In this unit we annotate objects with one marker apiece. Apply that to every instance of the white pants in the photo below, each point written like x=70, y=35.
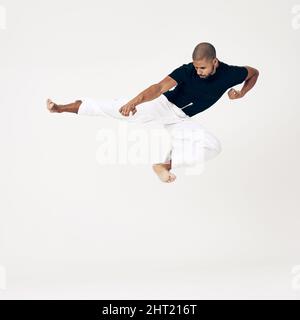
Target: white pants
x=191, y=143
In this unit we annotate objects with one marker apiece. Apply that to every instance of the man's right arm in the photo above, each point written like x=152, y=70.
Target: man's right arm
x=152, y=92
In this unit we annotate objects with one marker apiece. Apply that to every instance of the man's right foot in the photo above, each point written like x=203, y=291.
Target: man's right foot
x=162, y=170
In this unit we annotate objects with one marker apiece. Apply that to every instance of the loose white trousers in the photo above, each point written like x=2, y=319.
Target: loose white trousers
x=190, y=143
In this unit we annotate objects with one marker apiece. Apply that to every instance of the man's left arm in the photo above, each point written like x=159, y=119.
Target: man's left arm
x=248, y=84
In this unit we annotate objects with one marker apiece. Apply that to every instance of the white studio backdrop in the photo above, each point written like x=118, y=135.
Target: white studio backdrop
x=72, y=228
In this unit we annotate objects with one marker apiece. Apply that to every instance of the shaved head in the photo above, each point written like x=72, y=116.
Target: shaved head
x=204, y=51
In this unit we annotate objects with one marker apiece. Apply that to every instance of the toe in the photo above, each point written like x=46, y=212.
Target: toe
x=50, y=105
x=172, y=177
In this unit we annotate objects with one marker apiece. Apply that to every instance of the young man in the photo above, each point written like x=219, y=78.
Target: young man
x=198, y=85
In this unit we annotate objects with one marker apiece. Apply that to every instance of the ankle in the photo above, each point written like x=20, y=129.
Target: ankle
x=165, y=166
x=59, y=108
x=71, y=107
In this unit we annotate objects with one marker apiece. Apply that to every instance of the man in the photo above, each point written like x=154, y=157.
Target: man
x=198, y=85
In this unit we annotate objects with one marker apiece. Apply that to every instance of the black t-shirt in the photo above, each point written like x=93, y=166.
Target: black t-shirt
x=194, y=94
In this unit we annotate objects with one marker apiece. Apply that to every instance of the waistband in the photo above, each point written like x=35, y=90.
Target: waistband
x=178, y=112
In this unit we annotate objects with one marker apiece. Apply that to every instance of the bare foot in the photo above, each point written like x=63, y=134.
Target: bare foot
x=163, y=172
x=51, y=106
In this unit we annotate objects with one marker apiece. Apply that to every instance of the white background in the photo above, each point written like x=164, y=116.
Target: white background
x=71, y=228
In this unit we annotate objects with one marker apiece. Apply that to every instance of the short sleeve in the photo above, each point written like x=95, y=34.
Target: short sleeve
x=179, y=74
x=237, y=74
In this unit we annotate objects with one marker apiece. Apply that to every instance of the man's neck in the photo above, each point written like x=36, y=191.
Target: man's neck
x=216, y=67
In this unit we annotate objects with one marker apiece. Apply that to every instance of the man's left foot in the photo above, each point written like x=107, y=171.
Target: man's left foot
x=51, y=106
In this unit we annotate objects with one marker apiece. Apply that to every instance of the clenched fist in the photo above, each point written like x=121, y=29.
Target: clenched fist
x=127, y=108
x=234, y=94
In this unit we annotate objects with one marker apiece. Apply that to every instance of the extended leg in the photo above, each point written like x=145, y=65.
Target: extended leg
x=70, y=107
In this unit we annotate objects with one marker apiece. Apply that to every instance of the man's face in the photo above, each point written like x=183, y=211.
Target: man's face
x=205, y=68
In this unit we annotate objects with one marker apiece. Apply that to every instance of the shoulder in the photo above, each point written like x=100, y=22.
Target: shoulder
x=182, y=72
x=185, y=67
x=233, y=67
x=237, y=73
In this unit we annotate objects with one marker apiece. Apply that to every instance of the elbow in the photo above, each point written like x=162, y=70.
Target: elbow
x=158, y=88
x=252, y=73
x=255, y=73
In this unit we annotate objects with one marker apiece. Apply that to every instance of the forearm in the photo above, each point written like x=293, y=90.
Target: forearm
x=147, y=95
x=249, y=84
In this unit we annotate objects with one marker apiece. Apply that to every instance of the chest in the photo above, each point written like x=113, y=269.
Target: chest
x=202, y=88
